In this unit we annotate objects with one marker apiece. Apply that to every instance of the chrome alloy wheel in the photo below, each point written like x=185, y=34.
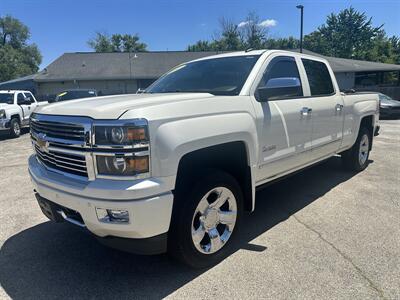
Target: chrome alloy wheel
x=364, y=149
x=214, y=220
x=16, y=128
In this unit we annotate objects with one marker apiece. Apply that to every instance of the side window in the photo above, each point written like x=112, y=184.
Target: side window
x=20, y=98
x=318, y=77
x=281, y=79
x=30, y=97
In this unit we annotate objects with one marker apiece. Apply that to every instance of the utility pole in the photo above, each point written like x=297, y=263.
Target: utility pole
x=301, y=7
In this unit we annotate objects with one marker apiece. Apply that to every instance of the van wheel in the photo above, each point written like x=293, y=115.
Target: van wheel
x=15, y=128
x=206, y=220
x=356, y=158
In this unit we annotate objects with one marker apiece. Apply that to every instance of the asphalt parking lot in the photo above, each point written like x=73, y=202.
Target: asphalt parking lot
x=323, y=233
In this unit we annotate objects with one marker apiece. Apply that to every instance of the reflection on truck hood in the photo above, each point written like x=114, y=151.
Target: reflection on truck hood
x=388, y=102
x=4, y=105
x=112, y=107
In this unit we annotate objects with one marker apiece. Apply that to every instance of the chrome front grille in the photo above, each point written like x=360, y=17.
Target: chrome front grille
x=57, y=130
x=65, y=144
x=70, y=163
x=62, y=144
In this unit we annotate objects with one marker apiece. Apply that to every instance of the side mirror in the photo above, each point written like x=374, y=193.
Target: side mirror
x=279, y=88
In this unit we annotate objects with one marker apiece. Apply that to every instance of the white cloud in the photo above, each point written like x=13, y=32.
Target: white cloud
x=268, y=23
x=244, y=23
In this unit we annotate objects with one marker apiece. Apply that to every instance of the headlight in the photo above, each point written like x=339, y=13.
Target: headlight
x=117, y=165
x=2, y=114
x=120, y=135
x=122, y=148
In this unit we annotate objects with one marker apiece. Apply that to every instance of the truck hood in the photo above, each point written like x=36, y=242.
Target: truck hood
x=112, y=107
x=4, y=105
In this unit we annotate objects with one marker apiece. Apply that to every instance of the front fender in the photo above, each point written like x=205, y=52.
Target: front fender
x=172, y=140
x=13, y=110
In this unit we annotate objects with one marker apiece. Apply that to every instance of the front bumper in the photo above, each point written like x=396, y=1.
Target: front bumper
x=4, y=124
x=149, y=215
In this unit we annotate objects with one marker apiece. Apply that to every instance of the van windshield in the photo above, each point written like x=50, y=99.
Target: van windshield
x=218, y=76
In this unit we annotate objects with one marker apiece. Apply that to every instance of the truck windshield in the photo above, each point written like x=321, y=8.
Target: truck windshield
x=218, y=76
x=6, y=98
x=71, y=95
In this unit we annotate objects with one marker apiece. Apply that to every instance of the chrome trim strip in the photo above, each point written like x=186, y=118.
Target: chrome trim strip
x=116, y=147
x=139, y=153
x=74, y=176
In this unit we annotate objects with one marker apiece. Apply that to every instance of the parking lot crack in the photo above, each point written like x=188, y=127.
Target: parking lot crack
x=373, y=285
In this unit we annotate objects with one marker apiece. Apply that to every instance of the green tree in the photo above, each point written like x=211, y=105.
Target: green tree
x=281, y=43
x=254, y=35
x=102, y=42
x=395, y=43
x=348, y=34
x=201, y=46
x=230, y=37
x=17, y=57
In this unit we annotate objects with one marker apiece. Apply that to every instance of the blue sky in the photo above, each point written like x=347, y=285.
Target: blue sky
x=59, y=26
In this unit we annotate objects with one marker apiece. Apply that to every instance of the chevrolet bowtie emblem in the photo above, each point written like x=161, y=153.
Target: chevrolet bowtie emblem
x=42, y=143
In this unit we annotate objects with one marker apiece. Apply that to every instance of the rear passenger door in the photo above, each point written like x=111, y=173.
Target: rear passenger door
x=326, y=106
x=285, y=130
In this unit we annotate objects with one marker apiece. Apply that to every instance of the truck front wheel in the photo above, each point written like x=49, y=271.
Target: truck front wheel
x=356, y=158
x=206, y=220
x=15, y=128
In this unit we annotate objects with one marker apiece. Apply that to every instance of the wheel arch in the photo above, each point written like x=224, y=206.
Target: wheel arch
x=231, y=157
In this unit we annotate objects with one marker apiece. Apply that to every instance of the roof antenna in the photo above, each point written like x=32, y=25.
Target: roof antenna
x=248, y=50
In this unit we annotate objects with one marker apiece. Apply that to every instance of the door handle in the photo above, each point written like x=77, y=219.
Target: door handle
x=305, y=111
x=339, y=107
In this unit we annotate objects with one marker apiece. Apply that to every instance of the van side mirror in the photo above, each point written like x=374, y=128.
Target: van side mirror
x=279, y=88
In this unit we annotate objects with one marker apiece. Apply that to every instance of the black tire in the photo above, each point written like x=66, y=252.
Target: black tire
x=15, y=128
x=352, y=158
x=180, y=243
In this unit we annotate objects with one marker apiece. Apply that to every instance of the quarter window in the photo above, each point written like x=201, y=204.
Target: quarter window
x=318, y=77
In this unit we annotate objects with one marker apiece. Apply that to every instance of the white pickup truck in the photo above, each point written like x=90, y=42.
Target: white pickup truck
x=15, y=109
x=174, y=168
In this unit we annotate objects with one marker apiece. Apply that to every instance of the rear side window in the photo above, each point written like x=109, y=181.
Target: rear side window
x=318, y=77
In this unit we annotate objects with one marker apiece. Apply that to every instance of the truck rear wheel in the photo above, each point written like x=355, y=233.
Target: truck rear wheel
x=206, y=220
x=356, y=158
x=15, y=128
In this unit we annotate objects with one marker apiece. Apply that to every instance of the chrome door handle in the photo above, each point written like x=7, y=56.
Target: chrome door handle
x=339, y=107
x=305, y=111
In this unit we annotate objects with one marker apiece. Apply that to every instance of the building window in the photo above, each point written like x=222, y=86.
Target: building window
x=366, y=79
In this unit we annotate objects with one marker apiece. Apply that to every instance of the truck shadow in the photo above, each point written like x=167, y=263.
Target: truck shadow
x=59, y=261
x=6, y=135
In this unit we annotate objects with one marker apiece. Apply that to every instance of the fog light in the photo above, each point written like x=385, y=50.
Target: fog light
x=112, y=215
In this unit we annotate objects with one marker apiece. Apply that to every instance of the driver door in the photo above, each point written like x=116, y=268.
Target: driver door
x=283, y=121
x=25, y=105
